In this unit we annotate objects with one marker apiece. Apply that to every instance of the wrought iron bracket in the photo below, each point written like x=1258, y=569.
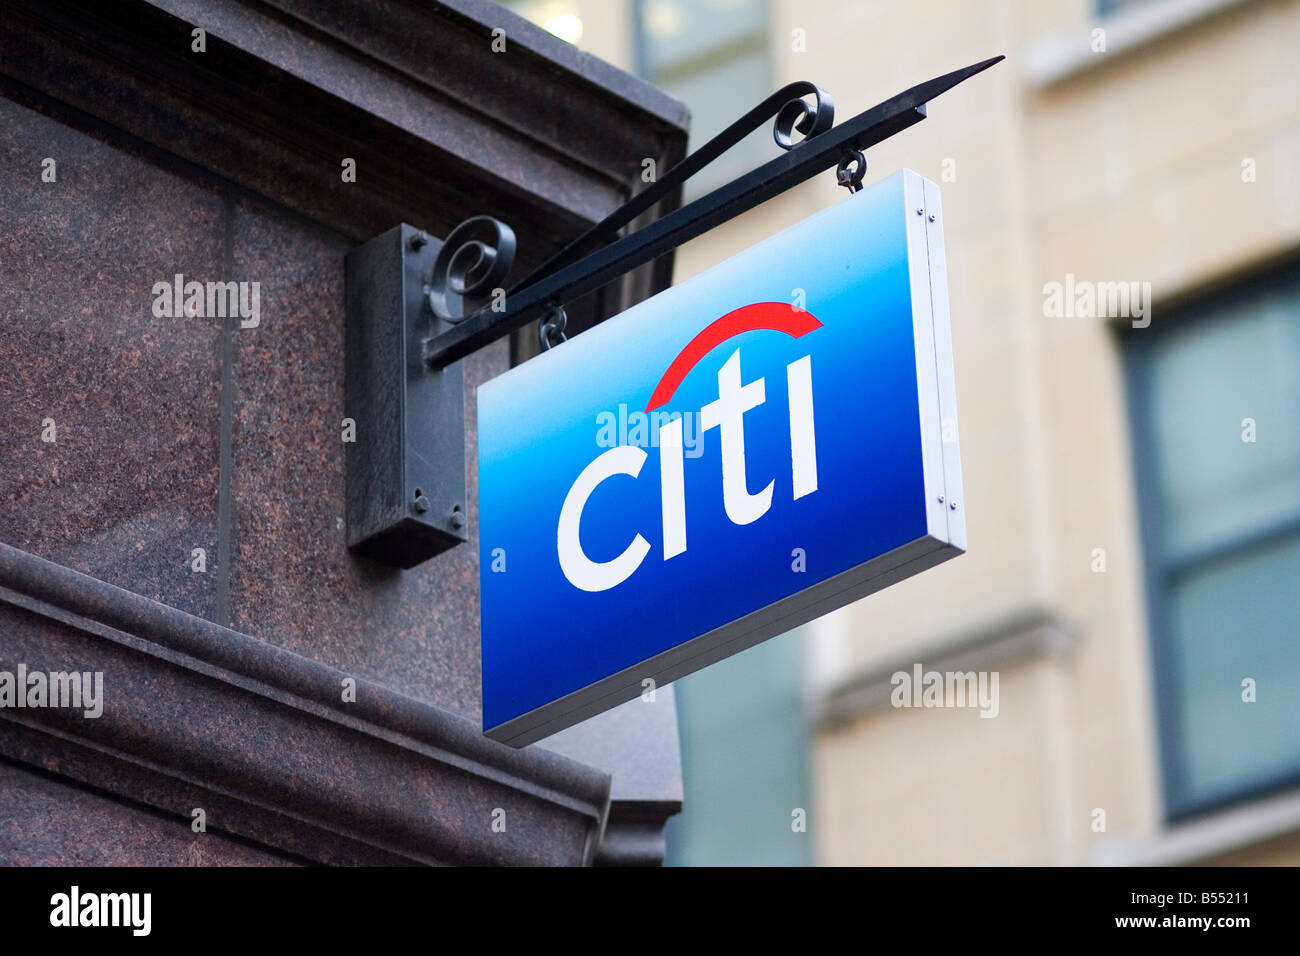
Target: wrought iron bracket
x=416, y=306
x=482, y=253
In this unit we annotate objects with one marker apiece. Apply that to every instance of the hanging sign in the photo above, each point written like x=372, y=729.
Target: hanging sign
x=750, y=449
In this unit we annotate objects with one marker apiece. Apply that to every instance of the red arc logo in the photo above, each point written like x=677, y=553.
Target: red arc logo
x=777, y=316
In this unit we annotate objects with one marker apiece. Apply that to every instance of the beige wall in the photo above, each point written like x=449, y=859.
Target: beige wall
x=1127, y=170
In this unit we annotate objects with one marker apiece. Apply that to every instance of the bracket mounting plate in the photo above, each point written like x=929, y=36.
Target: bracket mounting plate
x=406, y=494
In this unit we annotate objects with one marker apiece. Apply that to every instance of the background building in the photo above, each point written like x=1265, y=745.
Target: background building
x=1132, y=480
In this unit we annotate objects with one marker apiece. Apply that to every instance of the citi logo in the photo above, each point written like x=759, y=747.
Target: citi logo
x=727, y=414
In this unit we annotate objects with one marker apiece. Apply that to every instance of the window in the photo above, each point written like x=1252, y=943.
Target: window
x=1216, y=403
x=713, y=56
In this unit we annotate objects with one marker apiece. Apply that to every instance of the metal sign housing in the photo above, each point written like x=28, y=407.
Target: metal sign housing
x=746, y=451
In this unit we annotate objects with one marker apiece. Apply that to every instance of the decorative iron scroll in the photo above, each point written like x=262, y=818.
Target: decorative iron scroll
x=476, y=257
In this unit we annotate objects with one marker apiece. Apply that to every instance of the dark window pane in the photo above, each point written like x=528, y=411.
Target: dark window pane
x=1231, y=621
x=1205, y=381
x=1218, y=420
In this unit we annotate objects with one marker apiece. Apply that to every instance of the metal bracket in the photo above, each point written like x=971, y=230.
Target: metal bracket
x=603, y=253
x=415, y=306
x=406, y=495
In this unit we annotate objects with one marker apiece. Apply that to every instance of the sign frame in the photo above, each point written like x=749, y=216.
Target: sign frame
x=944, y=539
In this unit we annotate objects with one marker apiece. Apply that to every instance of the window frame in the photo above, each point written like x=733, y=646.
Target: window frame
x=1159, y=572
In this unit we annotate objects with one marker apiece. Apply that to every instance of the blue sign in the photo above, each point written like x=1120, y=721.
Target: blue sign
x=755, y=447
